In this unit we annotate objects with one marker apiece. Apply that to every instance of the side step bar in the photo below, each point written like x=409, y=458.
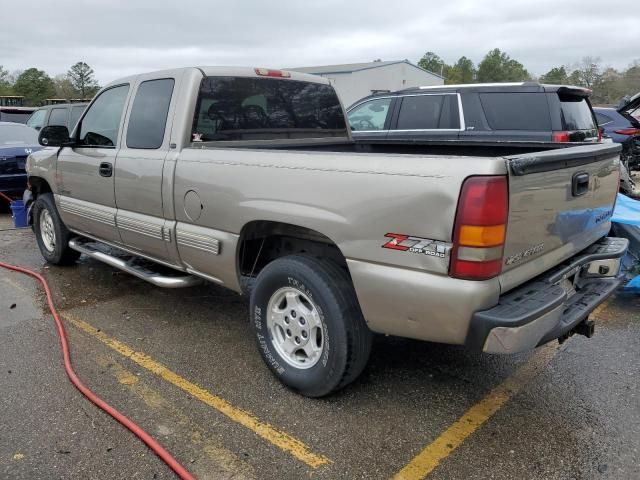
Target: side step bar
x=137, y=266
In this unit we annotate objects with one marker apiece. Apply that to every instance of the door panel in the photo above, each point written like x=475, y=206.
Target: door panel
x=85, y=172
x=140, y=166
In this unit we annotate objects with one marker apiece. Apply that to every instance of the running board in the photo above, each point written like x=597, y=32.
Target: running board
x=137, y=266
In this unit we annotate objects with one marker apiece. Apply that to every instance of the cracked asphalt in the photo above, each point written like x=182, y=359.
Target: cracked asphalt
x=576, y=417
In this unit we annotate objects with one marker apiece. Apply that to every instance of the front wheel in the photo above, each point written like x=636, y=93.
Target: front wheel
x=308, y=324
x=51, y=233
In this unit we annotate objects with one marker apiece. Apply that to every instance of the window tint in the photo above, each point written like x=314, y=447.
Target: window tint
x=516, y=111
x=370, y=115
x=58, y=116
x=239, y=108
x=36, y=120
x=100, y=125
x=576, y=114
x=76, y=113
x=148, y=117
x=602, y=119
x=428, y=112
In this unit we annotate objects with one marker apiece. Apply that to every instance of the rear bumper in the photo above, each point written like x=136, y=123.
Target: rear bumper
x=551, y=306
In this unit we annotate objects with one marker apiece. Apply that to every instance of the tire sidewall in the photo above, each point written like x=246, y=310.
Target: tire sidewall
x=326, y=374
x=45, y=202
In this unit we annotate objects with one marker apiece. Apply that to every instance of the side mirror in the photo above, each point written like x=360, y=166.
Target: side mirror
x=54, y=136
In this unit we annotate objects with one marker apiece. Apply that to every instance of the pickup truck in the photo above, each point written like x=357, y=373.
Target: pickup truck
x=249, y=178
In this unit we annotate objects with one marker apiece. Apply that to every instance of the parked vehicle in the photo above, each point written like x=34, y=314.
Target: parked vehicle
x=15, y=114
x=58, y=114
x=620, y=125
x=249, y=178
x=525, y=112
x=17, y=141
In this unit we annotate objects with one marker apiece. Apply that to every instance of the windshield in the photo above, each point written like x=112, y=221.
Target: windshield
x=17, y=135
x=245, y=108
x=576, y=114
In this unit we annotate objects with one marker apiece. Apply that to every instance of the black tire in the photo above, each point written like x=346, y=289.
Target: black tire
x=346, y=338
x=60, y=254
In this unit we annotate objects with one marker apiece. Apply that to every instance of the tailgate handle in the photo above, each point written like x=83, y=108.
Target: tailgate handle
x=580, y=184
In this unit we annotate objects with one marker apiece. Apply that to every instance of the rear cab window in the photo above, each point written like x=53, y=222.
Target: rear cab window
x=247, y=108
x=148, y=118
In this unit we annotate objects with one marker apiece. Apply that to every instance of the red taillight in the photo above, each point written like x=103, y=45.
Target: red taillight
x=628, y=131
x=267, y=72
x=480, y=228
x=560, y=137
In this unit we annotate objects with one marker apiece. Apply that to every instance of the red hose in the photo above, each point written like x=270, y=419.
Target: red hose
x=6, y=197
x=135, y=429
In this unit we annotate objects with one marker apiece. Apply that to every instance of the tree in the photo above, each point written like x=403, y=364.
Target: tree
x=35, y=85
x=81, y=76
x=463, y=71
x=555, y=76
x=588, y=72
x=5, y=85
x=64, y=87
x=497, y=66
x=432, y=62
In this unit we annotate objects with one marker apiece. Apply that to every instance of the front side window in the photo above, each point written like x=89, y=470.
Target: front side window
x=36, y=120
x=58, y=117
x=429, y=112
x=371, y=115
x=100, y=125
x=246, y=108
x=148, y=117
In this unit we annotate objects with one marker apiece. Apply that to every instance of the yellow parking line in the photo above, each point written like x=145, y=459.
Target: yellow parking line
x=429, y=458
x=270, y=433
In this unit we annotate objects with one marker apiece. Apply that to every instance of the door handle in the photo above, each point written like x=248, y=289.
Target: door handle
x=580, y=184
x=106, y=169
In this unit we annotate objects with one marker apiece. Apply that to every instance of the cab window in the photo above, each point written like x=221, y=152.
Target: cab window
x=59, y=116
x=99, y=127
x=371, y=115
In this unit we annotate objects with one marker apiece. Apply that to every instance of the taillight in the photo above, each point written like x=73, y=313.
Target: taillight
x=560, y=137
x=267, y=72
x=480, y=228
x=628, y=131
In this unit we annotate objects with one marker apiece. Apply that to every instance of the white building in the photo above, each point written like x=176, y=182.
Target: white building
x=356, y=80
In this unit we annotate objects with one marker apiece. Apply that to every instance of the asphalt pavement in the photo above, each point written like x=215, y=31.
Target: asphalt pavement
x=183, y=365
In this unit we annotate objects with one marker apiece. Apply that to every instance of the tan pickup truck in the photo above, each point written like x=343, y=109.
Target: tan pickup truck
x=249, y=178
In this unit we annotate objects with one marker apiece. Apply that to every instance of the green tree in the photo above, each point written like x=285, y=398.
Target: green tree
x=5, y=84
x=35, y=85
x=81, y=76
x=497, y=66
x=463, y=71
x=587, y=73
x=555, y=76
x=64, y=87
x=432, y=62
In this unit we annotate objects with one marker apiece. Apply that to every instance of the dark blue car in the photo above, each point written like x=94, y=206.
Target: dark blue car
x=622, y=125
x=17, y=141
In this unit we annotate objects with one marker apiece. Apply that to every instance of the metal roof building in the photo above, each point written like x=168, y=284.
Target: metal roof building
x=353, y=81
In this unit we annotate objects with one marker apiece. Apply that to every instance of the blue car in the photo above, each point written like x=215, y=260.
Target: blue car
x=622, y=125
x=17, y=141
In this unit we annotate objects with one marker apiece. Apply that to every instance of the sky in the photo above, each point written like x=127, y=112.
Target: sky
x=118, y=37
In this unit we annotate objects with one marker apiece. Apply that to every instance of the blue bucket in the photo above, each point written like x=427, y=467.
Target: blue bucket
x=19, y=214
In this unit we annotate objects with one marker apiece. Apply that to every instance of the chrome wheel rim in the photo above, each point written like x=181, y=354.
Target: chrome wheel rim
x=47, y=232
x=295, y=327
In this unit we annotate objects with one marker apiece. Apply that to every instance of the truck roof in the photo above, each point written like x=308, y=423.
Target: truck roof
x=228, y=71
x=499, y=87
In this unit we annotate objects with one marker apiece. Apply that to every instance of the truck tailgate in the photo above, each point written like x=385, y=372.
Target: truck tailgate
x=560, y=201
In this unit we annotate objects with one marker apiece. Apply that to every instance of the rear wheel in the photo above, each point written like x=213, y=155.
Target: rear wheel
x=308, y=324
x=51, y=234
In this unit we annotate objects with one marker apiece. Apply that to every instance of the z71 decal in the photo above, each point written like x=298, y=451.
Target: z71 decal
x=426, y=246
